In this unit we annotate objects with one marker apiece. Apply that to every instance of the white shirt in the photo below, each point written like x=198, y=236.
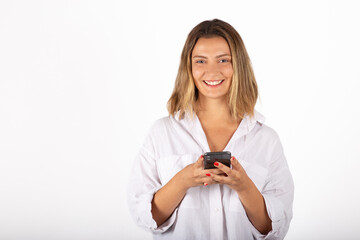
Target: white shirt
x=213, y=211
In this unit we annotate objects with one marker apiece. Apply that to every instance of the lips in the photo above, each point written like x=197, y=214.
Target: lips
x=213, y=83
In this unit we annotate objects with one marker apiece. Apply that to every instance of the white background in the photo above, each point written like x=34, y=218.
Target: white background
x=81, y=82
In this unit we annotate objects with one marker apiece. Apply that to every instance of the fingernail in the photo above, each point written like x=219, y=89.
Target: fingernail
x=232, y=158
x=208, y=174
x=202, y=156
x=216, y=164
x=205, y=184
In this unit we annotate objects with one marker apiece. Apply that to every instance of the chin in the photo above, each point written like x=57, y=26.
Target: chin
x=214, y=96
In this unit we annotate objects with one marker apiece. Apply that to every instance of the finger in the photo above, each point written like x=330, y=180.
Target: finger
x=209, y=183
x=221, y=179
x=199, y=162
x=207, y=180
x=235, y=164
x=223, y=168
x=214, y=171
x=209, y=173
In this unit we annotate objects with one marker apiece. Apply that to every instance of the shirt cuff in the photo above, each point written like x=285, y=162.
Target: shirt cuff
x=147, y=220
x=276, y=214
x=167, y=224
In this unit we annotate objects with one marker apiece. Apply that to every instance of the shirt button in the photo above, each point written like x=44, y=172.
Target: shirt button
x=216, y=209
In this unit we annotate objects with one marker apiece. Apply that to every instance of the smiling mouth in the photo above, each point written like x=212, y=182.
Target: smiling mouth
x=213, y=82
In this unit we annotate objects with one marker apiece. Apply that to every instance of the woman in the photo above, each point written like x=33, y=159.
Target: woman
x=212, y=109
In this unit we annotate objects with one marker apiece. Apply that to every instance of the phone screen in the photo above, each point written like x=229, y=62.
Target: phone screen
x=211, y=157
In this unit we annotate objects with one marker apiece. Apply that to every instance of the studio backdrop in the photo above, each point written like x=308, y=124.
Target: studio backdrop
x=81, y=83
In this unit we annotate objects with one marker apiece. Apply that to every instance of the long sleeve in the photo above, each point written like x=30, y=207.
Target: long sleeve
x=143, y=184
x=278, y=193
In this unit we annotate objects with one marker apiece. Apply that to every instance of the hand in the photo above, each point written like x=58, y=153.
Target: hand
x=250, y=197
x=195, y=175
x=236, y=178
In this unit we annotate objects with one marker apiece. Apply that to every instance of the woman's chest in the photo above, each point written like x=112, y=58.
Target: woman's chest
x=218, y=137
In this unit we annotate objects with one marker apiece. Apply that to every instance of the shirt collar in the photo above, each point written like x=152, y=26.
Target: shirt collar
x=193, y=125
x=248, y=122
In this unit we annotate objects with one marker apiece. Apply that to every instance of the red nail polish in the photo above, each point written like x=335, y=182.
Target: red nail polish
x=232, y=158
x=216, y=164
x=208, y=174
x=202, y=156
x=205, y=184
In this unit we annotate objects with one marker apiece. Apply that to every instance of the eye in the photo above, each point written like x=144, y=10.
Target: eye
x=224, y=60
x=200, y=61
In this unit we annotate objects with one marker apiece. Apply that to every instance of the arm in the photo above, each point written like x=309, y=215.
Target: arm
x=255, y=208
x=167, y=199
x=249, y=195
x=170, y=195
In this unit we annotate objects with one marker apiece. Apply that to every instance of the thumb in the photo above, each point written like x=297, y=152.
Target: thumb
x=235, y=164
x=200, y=161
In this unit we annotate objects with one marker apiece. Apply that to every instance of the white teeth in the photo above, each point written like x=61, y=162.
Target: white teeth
x=213, y=83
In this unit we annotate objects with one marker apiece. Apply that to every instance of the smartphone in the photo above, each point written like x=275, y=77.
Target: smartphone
x=211, y=157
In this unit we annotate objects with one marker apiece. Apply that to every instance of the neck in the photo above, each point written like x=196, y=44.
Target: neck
x=213, y=109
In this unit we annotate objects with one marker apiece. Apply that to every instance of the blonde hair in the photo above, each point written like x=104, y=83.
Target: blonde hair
x=243, y=92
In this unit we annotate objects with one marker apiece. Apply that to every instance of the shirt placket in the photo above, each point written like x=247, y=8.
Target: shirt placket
x=216, y=213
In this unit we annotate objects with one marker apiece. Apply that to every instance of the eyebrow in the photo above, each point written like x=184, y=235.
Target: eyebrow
x=218, y=56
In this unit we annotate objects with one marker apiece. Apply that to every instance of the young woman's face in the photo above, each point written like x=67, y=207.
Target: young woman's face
x=211, y=67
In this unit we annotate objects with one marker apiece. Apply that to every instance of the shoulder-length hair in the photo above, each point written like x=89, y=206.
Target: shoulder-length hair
x=243, y=92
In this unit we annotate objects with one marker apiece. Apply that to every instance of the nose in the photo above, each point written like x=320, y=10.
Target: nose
x=212, y=71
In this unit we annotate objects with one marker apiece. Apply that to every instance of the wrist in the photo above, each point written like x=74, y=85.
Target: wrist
x=180, y=182
x=246, y=188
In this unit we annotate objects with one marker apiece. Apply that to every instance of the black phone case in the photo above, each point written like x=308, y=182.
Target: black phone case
x=211, y=157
